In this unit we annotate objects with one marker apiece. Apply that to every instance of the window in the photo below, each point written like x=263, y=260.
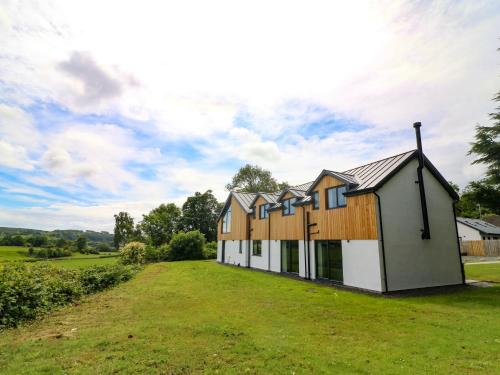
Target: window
x=240, y=249
x=253, y=212
x=288, y=207
x=226, y=221
x=315, y=200
x=257, y=248
x=263, y=211
x=335, y=197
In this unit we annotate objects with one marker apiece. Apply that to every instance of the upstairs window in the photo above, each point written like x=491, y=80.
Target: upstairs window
x=263, y=211
x=253, y=212
x=335, y=197
x=288, y=207
x=315, y=200
x=226, y=221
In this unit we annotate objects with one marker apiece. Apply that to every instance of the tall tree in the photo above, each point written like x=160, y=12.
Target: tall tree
x=81, y=243
x=486, y=192
x=161, y=223
x=200, y=212
x=124, y=229
x=254, y=179
x=487, y=146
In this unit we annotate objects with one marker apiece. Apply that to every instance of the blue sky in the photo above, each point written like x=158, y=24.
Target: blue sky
x=111, y=106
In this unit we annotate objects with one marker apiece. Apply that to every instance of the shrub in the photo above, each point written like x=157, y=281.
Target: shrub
x=49, y=252
x=133, y=253
x=210, y=251
x=103, y=247
x=187, y=246
x=28, y=290
x=96, y=278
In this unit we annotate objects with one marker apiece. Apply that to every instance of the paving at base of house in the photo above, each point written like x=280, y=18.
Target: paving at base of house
x=472, y=259
x=480, y=284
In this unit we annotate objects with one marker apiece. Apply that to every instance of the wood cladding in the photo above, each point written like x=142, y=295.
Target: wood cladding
x=239, y=227
x=260, y=227
x=356, y=221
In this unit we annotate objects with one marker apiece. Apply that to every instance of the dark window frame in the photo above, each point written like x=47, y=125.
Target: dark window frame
x=259, y=248
x=224, y=226
x=327, y=197
x=315, y=202
x=266, y=211
x=240, y=250
x=290, y=205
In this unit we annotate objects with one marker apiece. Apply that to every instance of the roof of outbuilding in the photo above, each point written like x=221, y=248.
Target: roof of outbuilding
x=480, y=225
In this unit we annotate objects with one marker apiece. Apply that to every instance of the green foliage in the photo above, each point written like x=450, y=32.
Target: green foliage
x=103, y=248
x=200, y=212
x=49, y=252
x=254, y=179
x=479, y=193
x=133, y=253
x=28, y=290
x=81, y=244
x=187, y=246
x=9, y=240
x=210, y=250
x=160, y=224
x=124, y=229
x=39, y=240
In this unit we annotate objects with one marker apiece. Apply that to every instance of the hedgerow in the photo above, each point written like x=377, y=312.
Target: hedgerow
x=29, y=290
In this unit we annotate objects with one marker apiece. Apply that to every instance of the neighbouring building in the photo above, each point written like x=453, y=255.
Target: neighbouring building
x=476, y=230
x=384, y=226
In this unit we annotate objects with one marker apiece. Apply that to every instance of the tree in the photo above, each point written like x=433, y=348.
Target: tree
x=161, y=223
x=187, y=246
x=200, y=212
x=124, y=229
x=254, y=179
x=487, y=146
x=81, y=244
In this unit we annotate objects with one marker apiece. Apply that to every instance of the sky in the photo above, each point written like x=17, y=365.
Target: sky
x=109, y=106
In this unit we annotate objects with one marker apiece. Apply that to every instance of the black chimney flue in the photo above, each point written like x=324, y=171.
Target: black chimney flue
x=426, y=234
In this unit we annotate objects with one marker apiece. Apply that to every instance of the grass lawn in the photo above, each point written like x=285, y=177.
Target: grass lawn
x=484, y=272
x=187, y=317
x=8, y=253
x=20, y=253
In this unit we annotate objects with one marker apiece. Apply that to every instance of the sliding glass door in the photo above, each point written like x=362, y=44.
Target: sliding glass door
x=290, y=256
x=329, y=260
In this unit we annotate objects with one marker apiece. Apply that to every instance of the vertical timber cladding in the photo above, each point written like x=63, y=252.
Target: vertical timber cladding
x=238, y=223
x=356, y=221
x=289, y=227
x=260, y=227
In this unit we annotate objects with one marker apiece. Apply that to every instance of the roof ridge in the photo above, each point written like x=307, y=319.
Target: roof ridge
x=377, y=161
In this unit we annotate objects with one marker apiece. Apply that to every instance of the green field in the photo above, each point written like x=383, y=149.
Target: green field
x=18, y=253
x=192, y=317
x=484, y=272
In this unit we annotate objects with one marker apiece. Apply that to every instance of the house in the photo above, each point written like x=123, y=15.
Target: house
x=384, y=226
x=476, y=230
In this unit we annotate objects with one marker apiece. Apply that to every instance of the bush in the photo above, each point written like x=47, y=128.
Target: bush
x=49, y=252
x=96, y=278
x=210, y=251
x=187, y=246
x=157, y=254
x=103, y=247
x=133, y=253
x=28, y=290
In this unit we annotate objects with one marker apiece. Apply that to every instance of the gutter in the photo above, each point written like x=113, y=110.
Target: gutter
x=382, y=240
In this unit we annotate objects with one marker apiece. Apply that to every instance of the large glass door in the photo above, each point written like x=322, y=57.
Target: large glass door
x=329, y=260
x=290, y=256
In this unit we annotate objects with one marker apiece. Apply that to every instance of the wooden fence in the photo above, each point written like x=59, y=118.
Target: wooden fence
x=487, y=248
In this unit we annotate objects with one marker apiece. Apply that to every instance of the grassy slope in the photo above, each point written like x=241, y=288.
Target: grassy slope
x=8, y=253
x=200, y=316
x=485, y=272
x=83, y=262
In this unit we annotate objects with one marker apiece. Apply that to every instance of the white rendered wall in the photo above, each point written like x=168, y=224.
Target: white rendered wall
x=312, y=258
x=232, y=254
x=260, y=262
x=410, y=261
x=467, y=233
x=275, y=255
x=361, y=265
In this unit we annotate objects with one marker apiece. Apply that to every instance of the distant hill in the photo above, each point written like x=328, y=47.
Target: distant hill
x=67, y=234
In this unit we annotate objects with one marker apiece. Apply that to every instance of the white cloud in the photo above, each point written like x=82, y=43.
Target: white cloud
x=239, y=81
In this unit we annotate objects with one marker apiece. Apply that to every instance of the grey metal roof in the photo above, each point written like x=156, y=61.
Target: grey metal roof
x=368, y=176
x=480, y=225
x=245, y=199
x=302, y=187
